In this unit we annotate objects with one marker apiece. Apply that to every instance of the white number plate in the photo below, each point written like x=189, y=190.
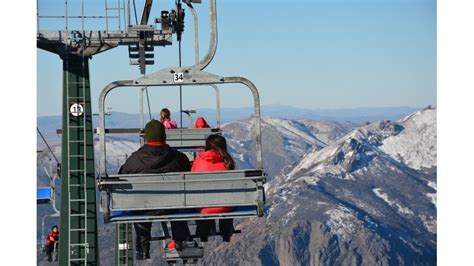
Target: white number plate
x=178, y=77
x=76, y=109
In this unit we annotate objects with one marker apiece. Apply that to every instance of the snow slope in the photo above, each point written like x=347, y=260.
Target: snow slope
x=416, y=144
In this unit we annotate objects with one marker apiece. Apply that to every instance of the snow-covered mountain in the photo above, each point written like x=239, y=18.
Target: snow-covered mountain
x=284, y=141
x=410, y=141
x=368, y=198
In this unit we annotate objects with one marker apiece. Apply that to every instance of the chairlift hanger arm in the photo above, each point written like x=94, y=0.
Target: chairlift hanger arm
x=212, y=49
x=165, y=78
x=146, y=12
x=196, y=29
x=206, y=60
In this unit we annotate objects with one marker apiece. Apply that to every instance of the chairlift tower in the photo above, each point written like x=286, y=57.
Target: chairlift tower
x=75, y=47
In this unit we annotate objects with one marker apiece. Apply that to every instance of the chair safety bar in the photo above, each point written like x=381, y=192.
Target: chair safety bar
x=183, y=139
x=170, y=133
x=188, y=139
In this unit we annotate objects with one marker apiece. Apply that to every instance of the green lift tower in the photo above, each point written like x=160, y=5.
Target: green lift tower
x=78, y=230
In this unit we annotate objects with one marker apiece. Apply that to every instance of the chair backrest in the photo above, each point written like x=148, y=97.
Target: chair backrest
x=183, y=190
x=189, y=138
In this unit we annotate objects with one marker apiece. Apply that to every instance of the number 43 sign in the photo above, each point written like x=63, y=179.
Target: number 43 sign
x=178, y=77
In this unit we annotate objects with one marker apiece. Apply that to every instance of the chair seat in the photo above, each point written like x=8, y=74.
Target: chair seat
x=180, y=215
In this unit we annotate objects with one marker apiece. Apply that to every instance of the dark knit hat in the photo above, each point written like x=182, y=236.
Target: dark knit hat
x=155, y=131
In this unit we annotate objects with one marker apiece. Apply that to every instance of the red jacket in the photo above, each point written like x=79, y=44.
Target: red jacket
x=52, y=238
x=201, y=123
x=210, y=160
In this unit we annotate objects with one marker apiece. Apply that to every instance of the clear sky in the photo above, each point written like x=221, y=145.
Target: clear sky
x=309, y=54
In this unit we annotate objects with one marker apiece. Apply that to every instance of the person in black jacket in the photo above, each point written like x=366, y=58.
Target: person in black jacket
x=156, y=157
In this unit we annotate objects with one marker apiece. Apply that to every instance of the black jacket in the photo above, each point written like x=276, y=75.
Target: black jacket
x=156, y=159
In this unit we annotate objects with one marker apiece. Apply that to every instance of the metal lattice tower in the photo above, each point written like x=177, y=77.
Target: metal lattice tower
x=79, y=244
x=124, y=247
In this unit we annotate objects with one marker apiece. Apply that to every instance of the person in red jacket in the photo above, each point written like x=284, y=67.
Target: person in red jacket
x=214, y=158
x=201, y=123
x=51, y=241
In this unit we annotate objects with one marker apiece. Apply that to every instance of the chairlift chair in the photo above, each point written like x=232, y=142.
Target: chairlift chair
x=130, y=198
x=47, y=195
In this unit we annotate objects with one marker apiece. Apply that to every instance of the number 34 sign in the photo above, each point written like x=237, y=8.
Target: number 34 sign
x=76, y=109
x=178, y=77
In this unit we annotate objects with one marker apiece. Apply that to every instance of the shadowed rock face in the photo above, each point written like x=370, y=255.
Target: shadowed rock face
x=338, y=195
x=354, y=154
x=388, y=128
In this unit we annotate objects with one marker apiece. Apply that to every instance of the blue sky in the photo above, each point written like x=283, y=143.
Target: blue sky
x=308, y=54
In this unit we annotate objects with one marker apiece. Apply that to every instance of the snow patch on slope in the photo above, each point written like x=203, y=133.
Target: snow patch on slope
x=384, y=196
x=310, y=180
x=291, y=129
x=341, y=221
x=432, y=196
x=432, y=185
x=429, y=223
